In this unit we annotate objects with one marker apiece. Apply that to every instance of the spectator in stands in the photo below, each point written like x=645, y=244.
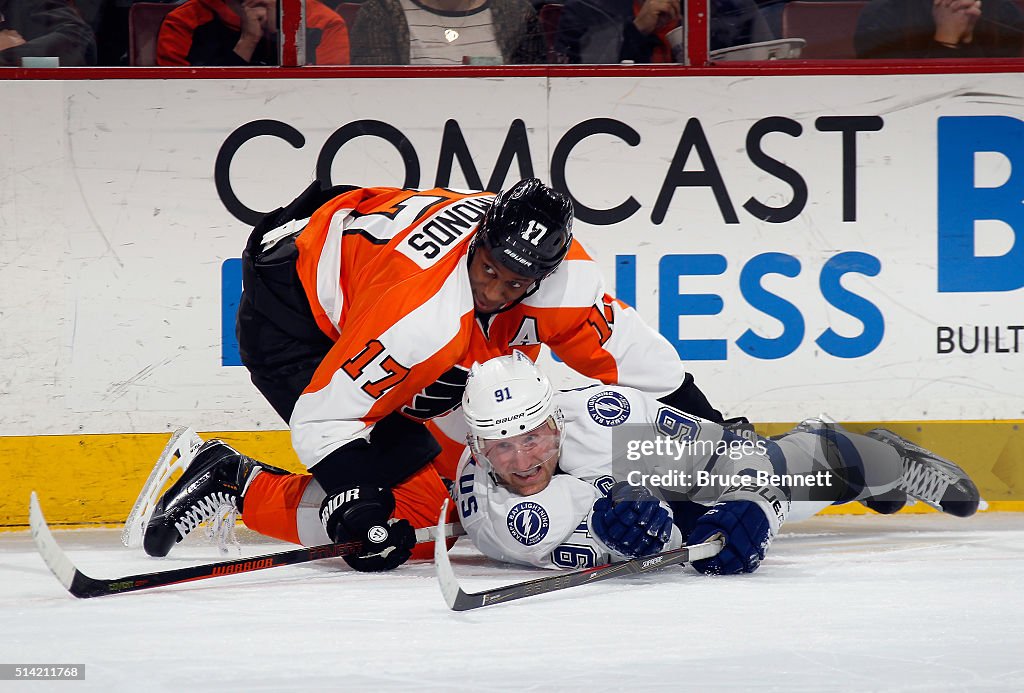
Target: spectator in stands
x=771, y=10
x=50, y=28
x=244, y=32
x=108, y=20
x=610, y=31
x=445, y=32
x=940, y=29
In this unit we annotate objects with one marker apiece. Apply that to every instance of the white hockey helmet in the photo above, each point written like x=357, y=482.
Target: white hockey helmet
x=505, y=397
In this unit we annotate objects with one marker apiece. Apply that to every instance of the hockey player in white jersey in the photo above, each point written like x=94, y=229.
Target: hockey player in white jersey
x=583, y=477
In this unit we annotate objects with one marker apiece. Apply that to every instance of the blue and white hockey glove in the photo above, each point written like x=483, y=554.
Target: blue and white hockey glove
x=631, y=521
x=747, y=535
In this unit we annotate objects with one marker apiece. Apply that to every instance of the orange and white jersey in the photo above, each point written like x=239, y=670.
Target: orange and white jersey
x=385, y=271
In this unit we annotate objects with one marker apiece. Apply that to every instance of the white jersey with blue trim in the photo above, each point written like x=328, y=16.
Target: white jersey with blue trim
x=550, y=529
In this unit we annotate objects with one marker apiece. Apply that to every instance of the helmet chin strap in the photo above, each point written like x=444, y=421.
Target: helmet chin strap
x=529, y=292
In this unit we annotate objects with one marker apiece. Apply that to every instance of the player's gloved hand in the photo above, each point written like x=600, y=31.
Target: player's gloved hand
x=631, y=521
x=362, y=514
x=747, y=536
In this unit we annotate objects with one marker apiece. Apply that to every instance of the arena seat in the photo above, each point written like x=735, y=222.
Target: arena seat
x=827, y=27
x=144, y=20
x=550, y=14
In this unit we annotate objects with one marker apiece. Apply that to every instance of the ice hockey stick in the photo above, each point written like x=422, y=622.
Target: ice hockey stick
x=458, y=600
x=82, y=586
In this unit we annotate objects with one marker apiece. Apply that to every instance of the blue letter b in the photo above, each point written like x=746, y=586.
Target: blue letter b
x=961, y=204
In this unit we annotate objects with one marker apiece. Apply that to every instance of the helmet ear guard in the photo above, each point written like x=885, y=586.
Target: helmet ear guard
x=528, y=229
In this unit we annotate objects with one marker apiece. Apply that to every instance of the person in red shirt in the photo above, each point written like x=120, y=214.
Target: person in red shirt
x=362, y=312
x=244, y=32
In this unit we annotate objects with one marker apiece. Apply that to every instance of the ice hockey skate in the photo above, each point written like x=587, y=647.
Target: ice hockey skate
x=887, y=503
x=931, y=479
x=177, y=455
x=892, y=501
x=213, y=483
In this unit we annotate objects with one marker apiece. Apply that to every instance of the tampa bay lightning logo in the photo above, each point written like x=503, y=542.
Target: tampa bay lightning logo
x=608, y=408
x=528, y=523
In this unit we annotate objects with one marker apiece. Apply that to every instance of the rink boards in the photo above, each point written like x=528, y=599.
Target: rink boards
x=841, y=244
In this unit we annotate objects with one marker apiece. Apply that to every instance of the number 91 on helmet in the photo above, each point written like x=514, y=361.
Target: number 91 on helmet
x=515, y=427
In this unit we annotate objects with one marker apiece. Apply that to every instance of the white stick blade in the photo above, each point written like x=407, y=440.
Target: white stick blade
x=58, y=563
x=442, y=565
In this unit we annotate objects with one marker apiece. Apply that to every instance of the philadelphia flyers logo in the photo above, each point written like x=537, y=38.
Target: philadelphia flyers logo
x=440, y=397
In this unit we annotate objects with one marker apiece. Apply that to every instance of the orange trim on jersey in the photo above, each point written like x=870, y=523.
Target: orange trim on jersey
x=576, y=252
x=381, y=301
x=271, y=504
x=417, y=377
x=367, y=267
x=583, y=347
x=310, y=245
x=418, y=499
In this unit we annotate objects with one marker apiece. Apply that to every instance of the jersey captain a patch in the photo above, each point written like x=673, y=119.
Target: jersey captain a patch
x=608, y=408
x=528, y=523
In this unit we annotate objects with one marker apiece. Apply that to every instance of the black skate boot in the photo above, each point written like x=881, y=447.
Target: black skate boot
x=892, y=501
x=217, y=477
x=931, y=479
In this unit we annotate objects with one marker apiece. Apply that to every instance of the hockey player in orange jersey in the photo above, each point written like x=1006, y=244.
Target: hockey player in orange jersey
x=362, y=312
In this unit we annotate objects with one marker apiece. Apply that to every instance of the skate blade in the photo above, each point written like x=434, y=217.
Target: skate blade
x=176, y=457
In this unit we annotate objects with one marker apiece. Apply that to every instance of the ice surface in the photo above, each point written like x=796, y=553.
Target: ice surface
x=904, y=603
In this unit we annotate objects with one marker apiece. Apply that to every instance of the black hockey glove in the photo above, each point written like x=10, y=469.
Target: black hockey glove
x=688, y=398
x=741, y=426
x=363, y=514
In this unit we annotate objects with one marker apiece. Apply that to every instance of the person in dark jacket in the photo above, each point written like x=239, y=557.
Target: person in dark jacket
x=610, y=31
x=940, y=29
x=30, y=28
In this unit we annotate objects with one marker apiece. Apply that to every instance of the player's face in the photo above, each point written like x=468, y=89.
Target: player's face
x=494, y=286
x=525, y=463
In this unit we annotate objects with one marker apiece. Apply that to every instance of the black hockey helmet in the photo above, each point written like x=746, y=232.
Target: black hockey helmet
x=528, y=229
